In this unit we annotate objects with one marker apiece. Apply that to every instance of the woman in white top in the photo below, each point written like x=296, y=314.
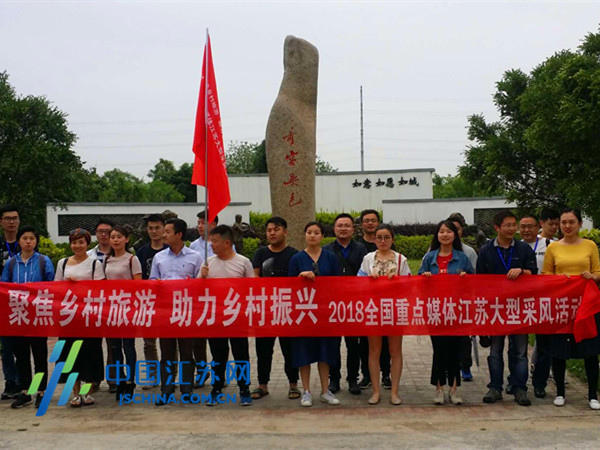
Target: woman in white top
x=122, y=265
x=90, y=361
x=385, y=262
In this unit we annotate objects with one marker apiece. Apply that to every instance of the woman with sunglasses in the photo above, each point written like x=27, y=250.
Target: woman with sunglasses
x=446, y=257
x=90, y=361
x=119, y=264
x=573, y=255
x=385, y=262
x=310, y=263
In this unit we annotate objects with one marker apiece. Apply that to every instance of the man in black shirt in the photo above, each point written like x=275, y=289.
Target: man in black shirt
x=155, y=226
x=274, y=261
x=9, y=247
x=370, y=220
x=350, y=255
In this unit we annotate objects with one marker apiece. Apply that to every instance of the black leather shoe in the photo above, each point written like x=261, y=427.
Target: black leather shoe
x=353, y=388
x=539, y=393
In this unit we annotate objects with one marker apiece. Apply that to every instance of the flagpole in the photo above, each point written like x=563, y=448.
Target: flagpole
x=205, y=74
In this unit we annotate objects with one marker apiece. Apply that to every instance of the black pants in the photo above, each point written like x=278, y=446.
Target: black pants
x=199, y=350
x=118, y=346
x=352, y=361
x=466, y=360
x=23, y=347
x=541, y=370
x=264, y=356
x=168, y=353
x=219, y=347
x=559, y=368
x=385, y=359
x=446, y=360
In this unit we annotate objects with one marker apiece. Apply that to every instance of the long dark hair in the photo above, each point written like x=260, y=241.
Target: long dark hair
x=435, y=242
x=121, y=230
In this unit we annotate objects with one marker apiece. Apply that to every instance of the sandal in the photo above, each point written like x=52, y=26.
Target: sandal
x=294, y=393
x=88, y=400
x=76, y=401
x=258, y=393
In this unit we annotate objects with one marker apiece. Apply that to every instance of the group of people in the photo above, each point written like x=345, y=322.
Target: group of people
x=373, y=255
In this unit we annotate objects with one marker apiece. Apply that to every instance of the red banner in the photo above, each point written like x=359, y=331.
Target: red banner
x=329, y=306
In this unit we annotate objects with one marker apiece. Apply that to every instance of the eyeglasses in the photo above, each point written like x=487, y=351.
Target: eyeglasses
x=77, y=231
x=102, y=232
x=315, y=268
x=11, y=219
x=383, y=238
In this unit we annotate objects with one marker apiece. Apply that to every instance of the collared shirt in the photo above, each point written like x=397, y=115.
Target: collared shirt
x=494, y=259
x=349, y=257
x=95, y=253
x=166, y=265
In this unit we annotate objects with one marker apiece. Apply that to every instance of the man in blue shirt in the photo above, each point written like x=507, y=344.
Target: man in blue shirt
x=506, y=256
x=176, y=263
x=350, y=255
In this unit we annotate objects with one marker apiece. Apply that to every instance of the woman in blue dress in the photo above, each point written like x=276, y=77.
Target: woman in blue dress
x=309, y=263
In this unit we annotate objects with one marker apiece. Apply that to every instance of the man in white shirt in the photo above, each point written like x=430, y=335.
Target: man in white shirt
x=227, y=264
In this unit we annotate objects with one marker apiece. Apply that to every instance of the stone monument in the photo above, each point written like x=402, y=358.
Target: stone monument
x=291, y=139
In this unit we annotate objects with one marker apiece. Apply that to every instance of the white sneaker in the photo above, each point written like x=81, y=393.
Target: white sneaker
x=594, y=404
x=306, y=399
x=455, y=397
x=328, y=397
x=439, y=397
x=560, y=401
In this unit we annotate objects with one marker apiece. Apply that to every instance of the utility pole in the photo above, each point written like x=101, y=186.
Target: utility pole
x=362, y=135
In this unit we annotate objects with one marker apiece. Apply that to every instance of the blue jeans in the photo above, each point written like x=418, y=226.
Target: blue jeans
x=517, y=361
x=9, y=366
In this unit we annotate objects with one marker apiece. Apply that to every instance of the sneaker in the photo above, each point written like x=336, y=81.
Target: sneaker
x=539, y=393
x=11, y=391
x=492, y=396
x=386, y=382
x=594, y=404
x=22, y=400
x=353, y=388
x=306, y=399
x=559, y=401
x=334, y=386
x=212, y=398
x=328, y=397
x=467, y=375
x=521, y=397
x=439, y=397
x=365, y=383
x=246, y=398
x=38, y=400
x=455, y=398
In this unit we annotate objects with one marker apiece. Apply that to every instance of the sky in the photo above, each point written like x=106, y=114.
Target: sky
x=128, y=73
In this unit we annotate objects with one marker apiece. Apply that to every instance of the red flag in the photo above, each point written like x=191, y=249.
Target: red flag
x=208, y=141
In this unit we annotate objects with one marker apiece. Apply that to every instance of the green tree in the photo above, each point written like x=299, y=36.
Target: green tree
x=545, y=148
x=37, y=163
x=180, y=179
x=246, y=157
x=458, y=186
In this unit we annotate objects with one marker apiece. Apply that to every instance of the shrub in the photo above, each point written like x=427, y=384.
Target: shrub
x=250, y=247
x=413, y=247
x=415, y=229
x=52, y=251
x=593, y=234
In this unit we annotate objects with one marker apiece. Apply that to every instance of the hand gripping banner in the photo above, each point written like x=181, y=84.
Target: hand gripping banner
x=329, y=306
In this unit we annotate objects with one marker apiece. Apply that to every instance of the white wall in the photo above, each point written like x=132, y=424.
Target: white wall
x=334, y=192
x=185, y=211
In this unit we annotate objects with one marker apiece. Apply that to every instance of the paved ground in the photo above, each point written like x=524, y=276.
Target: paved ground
x=275, y=421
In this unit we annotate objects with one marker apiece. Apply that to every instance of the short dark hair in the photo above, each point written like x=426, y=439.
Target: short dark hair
x=458, y=217
x=549, y=214
x=105, y=221
x=385, y=226
x=204, y=215
x=370, y=211
x=179, y=226
x=224, y=231
x=154, y=218
x=501, y=215
x=314, y=222
x=530, y=216
x=79, y=233
x=7, y=208
x=456, y=243
x=276, y=220
x=343, y=216
x=27, y=229
x=574, y=211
